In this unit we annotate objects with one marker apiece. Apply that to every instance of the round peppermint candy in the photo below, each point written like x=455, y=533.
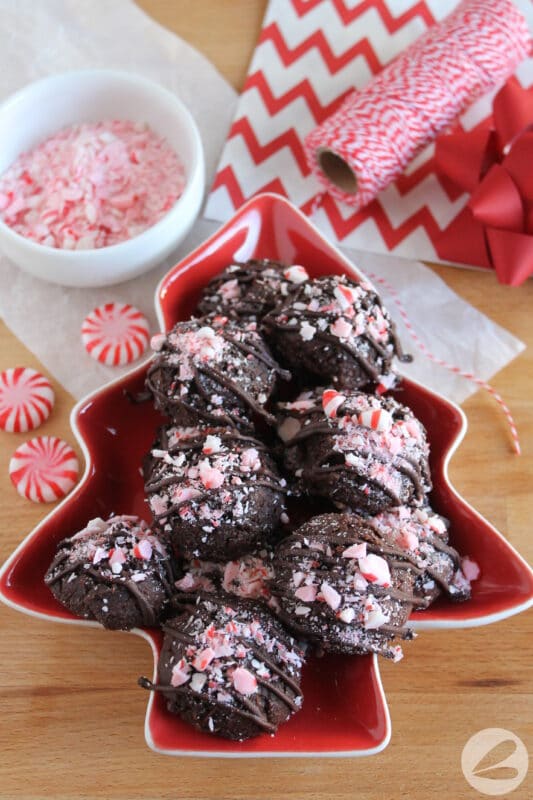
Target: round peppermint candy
x=44, y=469
x=26, y=399
x=115, y=334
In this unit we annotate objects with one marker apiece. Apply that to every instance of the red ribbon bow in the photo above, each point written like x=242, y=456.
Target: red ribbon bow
x=495, y=165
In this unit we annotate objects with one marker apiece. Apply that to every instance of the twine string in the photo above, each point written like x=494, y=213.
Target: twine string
x=310, y=209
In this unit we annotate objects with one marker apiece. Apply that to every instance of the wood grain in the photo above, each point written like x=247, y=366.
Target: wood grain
x=72, y=717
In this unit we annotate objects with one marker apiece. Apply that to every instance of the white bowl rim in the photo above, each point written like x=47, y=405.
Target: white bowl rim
x=95, y=253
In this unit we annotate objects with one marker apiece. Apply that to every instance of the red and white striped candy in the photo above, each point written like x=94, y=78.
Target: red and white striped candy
x=346, y=296
x=331, y=401
x=44, y=469
x=377, y=419
x=26, y=399
x=115, y=334
x=375, y=569
x=296, y=274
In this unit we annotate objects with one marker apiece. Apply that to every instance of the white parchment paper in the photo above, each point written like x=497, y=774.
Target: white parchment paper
x=40, y=38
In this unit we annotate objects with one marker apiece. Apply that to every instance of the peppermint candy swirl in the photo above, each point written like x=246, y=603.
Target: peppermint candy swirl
x=44, y=469
x=115, y=334
x=26, y=399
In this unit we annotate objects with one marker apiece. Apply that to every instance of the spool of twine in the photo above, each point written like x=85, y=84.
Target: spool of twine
x=369, y=141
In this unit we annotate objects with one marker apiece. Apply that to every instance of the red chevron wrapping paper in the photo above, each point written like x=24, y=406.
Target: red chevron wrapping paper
x=310, y=56
x=370, y=140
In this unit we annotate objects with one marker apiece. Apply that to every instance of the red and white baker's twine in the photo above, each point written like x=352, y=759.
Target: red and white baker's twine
x=451, y=367
x=377, y=131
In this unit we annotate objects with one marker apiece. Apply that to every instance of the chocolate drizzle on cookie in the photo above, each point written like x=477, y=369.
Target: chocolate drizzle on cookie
x=422, y=535
x=340, y=585
x=249, y=290
x=228, y=667
x=336, y=329
x=215, y=491
x=213, y=370
x=116, y=571
x=360, y=450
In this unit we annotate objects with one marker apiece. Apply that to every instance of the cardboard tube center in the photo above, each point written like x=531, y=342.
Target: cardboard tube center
x=337, y=171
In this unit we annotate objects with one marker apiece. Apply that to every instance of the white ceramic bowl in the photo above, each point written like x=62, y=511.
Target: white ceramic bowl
x=44, y=107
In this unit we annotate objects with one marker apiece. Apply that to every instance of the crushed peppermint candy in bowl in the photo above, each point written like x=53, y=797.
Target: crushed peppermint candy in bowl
x=91, y=185
x=101, y=176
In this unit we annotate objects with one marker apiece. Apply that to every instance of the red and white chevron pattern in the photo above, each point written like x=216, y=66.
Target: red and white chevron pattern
x=310, y=55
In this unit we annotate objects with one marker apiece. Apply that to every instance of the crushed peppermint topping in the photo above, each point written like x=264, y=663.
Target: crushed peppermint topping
x=212, y=445
x=109, y=544
x=244, y=681
x=247, y=576
x=424, y=536
x=195, y=346
x=331, y=402
x=143, y=550
x=379, y=439
x=330, y=595
x=343, y=594
x=336, y=308
x=375, y=569
x=218, y=367
x=470, y=569
x=122, y=555
x=375, y=618
x=219, y=652
x=212, y=481
x=378, y=419
x=306, y=593
x=180, y=673
x=296, y=274
x=91, y=185
x=347, y=615
x=341, y=328
x=307, y=331
x=355, y=551
x=230, y=290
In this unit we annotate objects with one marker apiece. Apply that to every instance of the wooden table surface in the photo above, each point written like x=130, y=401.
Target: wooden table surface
x=72, y=716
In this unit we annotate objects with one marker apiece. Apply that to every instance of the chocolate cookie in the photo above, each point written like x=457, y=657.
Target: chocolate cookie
x=250, y=290
x=115, y=571
x=215, y=492
x=342, y=587
x=247, y=576
x=336, y=330
x=229, y=668
x=216, y=371
x=423, y=535
x=361, y=451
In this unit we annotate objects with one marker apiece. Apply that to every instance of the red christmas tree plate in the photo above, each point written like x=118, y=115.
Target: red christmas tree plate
x=344, y=711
